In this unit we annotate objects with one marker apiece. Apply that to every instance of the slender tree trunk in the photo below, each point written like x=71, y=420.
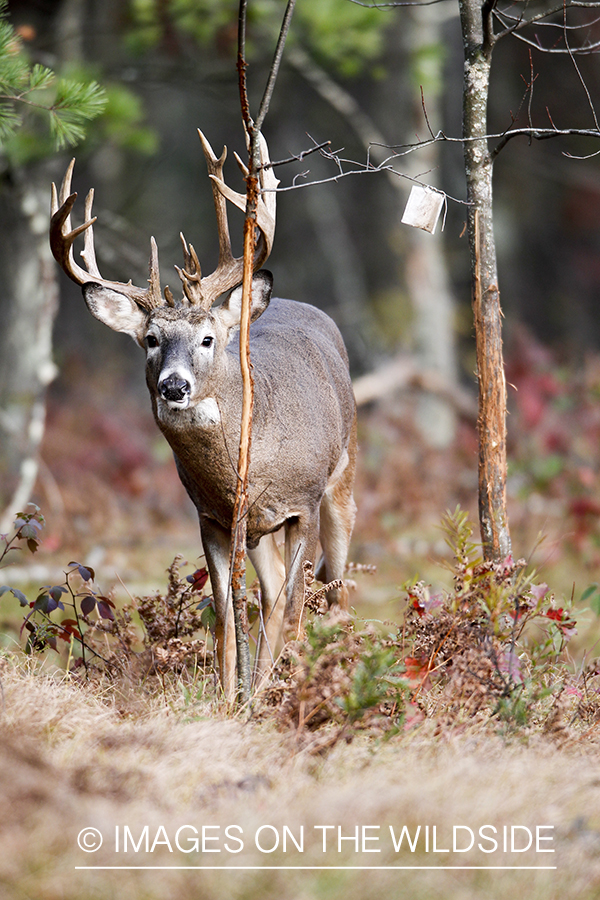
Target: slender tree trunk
x=426, y=270
x=478, y=44
x=28, y=303
x=28, y=307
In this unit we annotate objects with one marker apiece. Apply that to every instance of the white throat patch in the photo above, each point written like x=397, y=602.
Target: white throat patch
x=208, y=411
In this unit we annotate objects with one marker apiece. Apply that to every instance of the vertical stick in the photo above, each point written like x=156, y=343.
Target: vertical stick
x=239, y=525
x=238, y=561
x=240, y=510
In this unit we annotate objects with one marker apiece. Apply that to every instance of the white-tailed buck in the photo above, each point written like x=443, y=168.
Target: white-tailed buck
x=304, y=422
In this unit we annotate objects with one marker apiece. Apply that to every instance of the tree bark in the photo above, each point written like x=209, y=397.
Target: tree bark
x=478, y=44
x=28, y=303
x=240, y=511
x=27, y=309
x=239, y=525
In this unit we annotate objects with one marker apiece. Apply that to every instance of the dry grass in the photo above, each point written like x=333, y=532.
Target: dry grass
x=75, y=756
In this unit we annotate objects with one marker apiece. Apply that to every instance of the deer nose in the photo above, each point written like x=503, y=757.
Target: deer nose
x=174, y=388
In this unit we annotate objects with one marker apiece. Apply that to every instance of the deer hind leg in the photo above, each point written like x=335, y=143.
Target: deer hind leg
x=270, y=569
x=216, y=541
x=301, y=536
x=338, y=512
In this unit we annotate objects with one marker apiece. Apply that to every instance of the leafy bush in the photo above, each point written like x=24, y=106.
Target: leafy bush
x=488, y=653
x=101, y=639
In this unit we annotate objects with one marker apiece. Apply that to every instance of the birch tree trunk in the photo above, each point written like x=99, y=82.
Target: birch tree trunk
x=28, y=303
x=28, y=307
x=478, y=42
x=426, y=270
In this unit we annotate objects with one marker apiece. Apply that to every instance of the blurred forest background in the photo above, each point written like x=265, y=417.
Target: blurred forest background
x=352, y=76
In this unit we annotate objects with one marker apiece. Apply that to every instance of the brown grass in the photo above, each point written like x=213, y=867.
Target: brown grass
x=75, y=756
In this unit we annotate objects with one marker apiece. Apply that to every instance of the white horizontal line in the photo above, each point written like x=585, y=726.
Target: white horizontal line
x=325, y=868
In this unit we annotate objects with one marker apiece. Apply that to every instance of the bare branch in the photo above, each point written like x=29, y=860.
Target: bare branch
x=397, y=3
x=579, y=75
x=348, y=167
x=266, y=100
x=297, y=157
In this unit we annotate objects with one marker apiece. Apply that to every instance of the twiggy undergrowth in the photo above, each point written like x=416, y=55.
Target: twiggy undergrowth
x=489, y=654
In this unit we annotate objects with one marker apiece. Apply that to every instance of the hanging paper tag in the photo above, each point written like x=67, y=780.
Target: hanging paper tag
x=423, y=208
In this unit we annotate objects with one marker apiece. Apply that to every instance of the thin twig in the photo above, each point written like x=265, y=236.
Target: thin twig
x=274, y=71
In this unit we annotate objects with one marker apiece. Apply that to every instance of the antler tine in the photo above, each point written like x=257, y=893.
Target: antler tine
x=268, y=183
x=191, y=274
x=65, y=190
x=215, y=170
x=88, y=254
x=62, y=237
x=267, y=202
x=154, y=275
x=230, y=269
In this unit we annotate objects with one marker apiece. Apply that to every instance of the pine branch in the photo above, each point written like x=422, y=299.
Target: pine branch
x=32, y=88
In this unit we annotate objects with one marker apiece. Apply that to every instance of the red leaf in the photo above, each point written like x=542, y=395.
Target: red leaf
x=417, y=670
x=416, y=604
x=198, y=579
x=105, y=610
x=87, y=604
x=69, y=629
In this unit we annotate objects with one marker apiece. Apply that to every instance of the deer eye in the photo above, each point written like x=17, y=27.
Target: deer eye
x=151, y=341
x=207, y=341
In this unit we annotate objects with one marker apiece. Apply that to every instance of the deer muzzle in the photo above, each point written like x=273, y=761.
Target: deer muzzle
x=175, y=391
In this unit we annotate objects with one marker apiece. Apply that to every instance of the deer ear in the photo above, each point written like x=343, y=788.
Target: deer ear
x=116, y=310
x=231, y=309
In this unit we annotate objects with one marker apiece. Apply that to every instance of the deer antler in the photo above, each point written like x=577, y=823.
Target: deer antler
x=204, y=291
x=62, y=237
x=197, y=290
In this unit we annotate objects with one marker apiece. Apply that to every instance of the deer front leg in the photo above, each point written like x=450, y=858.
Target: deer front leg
x=216, y=542
x=301, y=535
